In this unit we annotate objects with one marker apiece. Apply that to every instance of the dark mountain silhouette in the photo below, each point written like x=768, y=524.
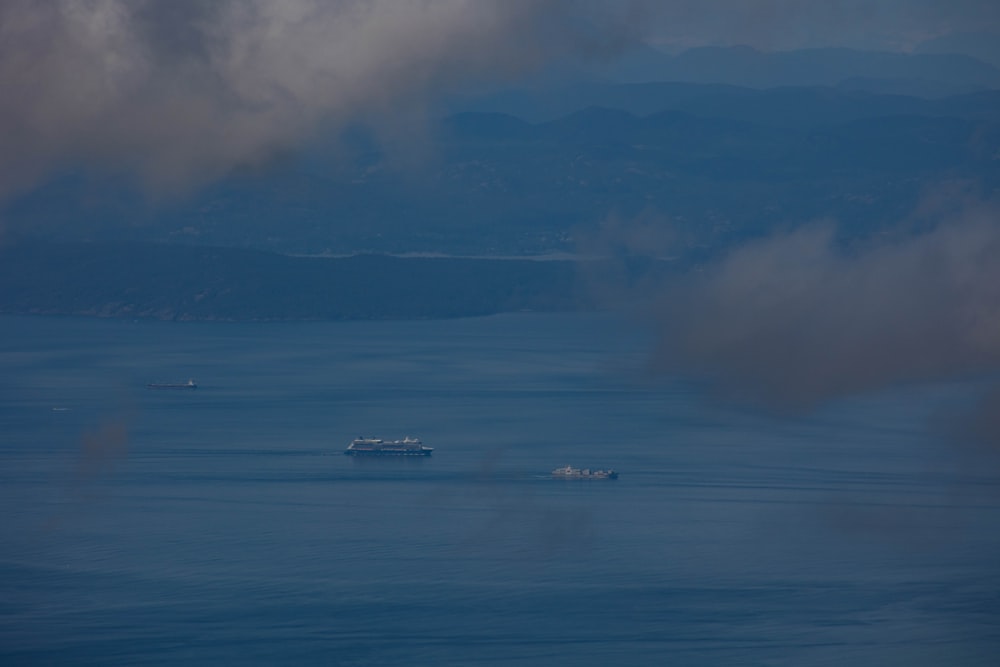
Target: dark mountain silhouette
x=175, y=282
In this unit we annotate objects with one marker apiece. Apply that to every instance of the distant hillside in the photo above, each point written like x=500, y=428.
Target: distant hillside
x=170, y=282
x=983, y=46
x=717, y=163
x=783, y=106
x=942, y=67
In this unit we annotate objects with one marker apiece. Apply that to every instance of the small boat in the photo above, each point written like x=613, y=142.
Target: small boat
x=190, y=384
x=569, y=472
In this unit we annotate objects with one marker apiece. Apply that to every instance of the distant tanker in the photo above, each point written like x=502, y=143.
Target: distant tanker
x=190, y=384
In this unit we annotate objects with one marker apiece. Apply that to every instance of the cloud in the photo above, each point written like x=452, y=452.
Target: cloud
x=625, y=258
x=180, y=91
x=101, y=450
x=794, y=320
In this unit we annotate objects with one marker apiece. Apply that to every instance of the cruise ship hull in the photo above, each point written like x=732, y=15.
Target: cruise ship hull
x=383, y=452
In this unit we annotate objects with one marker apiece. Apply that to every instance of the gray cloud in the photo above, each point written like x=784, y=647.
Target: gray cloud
x=179, y=91
x=793, y=320
x=102, y=449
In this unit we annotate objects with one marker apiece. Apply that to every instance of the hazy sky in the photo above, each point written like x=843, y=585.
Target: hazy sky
x=179, y=91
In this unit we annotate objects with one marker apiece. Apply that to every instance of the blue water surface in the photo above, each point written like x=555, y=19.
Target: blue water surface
x=223, y=525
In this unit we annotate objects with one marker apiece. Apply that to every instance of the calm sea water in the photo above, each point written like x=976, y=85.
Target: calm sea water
x=223, y=525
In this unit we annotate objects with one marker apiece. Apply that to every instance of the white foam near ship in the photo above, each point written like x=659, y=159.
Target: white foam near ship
x=377, y=447
x=569, y=472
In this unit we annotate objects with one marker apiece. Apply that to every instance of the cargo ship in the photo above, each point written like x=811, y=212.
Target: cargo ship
x=377, y=447
x=569, y=472
x=190, y=384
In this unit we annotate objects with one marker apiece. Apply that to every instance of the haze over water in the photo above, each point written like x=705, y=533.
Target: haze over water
x=223, y=525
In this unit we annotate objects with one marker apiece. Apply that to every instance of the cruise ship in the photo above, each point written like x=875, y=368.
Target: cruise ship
x=377, y=447
x=569, y=472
